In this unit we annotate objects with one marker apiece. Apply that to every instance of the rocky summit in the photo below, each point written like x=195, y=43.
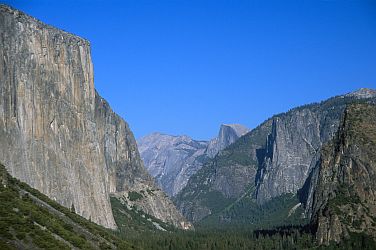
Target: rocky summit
x=228, y=134
x=172, y=160
x=363, y=93
x=57, y=134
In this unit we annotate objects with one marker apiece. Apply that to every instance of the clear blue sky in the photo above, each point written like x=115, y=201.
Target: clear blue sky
x=185, y=67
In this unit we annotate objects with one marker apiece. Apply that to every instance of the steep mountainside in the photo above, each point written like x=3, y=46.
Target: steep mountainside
x=57, y=134
x=30, y=220
x=273, y=159
x=172, y=160
x=344, y=181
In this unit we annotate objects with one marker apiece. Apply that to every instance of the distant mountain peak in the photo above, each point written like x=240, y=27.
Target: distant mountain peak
x=239, y=129
x=172, y=160
x=228, y=134
x=363, y=93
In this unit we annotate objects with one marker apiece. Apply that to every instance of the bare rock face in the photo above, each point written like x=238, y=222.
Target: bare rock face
x=274, y=159
x=222, y=180
x=363, y=93
x=344, y=200
x=172, y=160
x=56, y=133
x=228, y=134
x=292, y=149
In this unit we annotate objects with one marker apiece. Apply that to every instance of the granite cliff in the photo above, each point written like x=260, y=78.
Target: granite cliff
x=272, y=160
x=172, y=160
x=343, y=183
x=228, y=134
x=57, y=134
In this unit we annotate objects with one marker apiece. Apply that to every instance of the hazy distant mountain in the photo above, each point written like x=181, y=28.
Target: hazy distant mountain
x=172, y=160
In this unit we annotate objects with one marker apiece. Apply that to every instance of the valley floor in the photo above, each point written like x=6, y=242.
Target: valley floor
x=287, y=238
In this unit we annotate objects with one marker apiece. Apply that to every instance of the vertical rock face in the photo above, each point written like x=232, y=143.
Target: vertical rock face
x=292, y=148
x=273, y=159
x=344, y=186
x=47, y=115
x=172, y=160
x=56, y=133
x=228, y=134
x=118, y=149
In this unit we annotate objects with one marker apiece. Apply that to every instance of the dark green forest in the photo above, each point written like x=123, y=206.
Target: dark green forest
x=30, y=220
x=211, y=234
x=279, y=238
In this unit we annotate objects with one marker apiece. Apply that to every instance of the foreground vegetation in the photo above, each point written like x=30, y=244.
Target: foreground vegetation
x=30, y=220
x=280, y=238
x=142, y=233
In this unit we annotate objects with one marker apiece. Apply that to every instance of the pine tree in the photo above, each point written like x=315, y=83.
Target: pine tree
x=73, y=210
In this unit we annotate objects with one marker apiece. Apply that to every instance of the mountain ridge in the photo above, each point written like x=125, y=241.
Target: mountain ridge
x=275, y=158
x=173, y=159
x=343, y=201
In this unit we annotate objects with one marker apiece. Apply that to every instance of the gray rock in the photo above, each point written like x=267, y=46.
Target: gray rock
x=363, y=93
x=172, y=160
x=291, y=148
x=228, y=134
x=283, y=150
x=344, y=185
x=56, y=133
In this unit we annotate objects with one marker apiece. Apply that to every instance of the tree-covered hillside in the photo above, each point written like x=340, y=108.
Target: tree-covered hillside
x=30, y=220
x=272, y=160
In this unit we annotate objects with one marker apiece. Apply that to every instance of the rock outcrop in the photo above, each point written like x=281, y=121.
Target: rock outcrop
x=172, y=160
x=292, y=149
x=273, y=159
x=343, y=187
x=363, y=93
x=56, y=133
x=228, y=134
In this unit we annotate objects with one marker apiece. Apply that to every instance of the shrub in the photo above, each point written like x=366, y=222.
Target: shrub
x=134, y=196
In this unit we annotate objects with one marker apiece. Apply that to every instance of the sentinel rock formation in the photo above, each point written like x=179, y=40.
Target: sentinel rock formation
x=292, y=148
x=56, y=133
x=172, y=160
x=276, y=158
